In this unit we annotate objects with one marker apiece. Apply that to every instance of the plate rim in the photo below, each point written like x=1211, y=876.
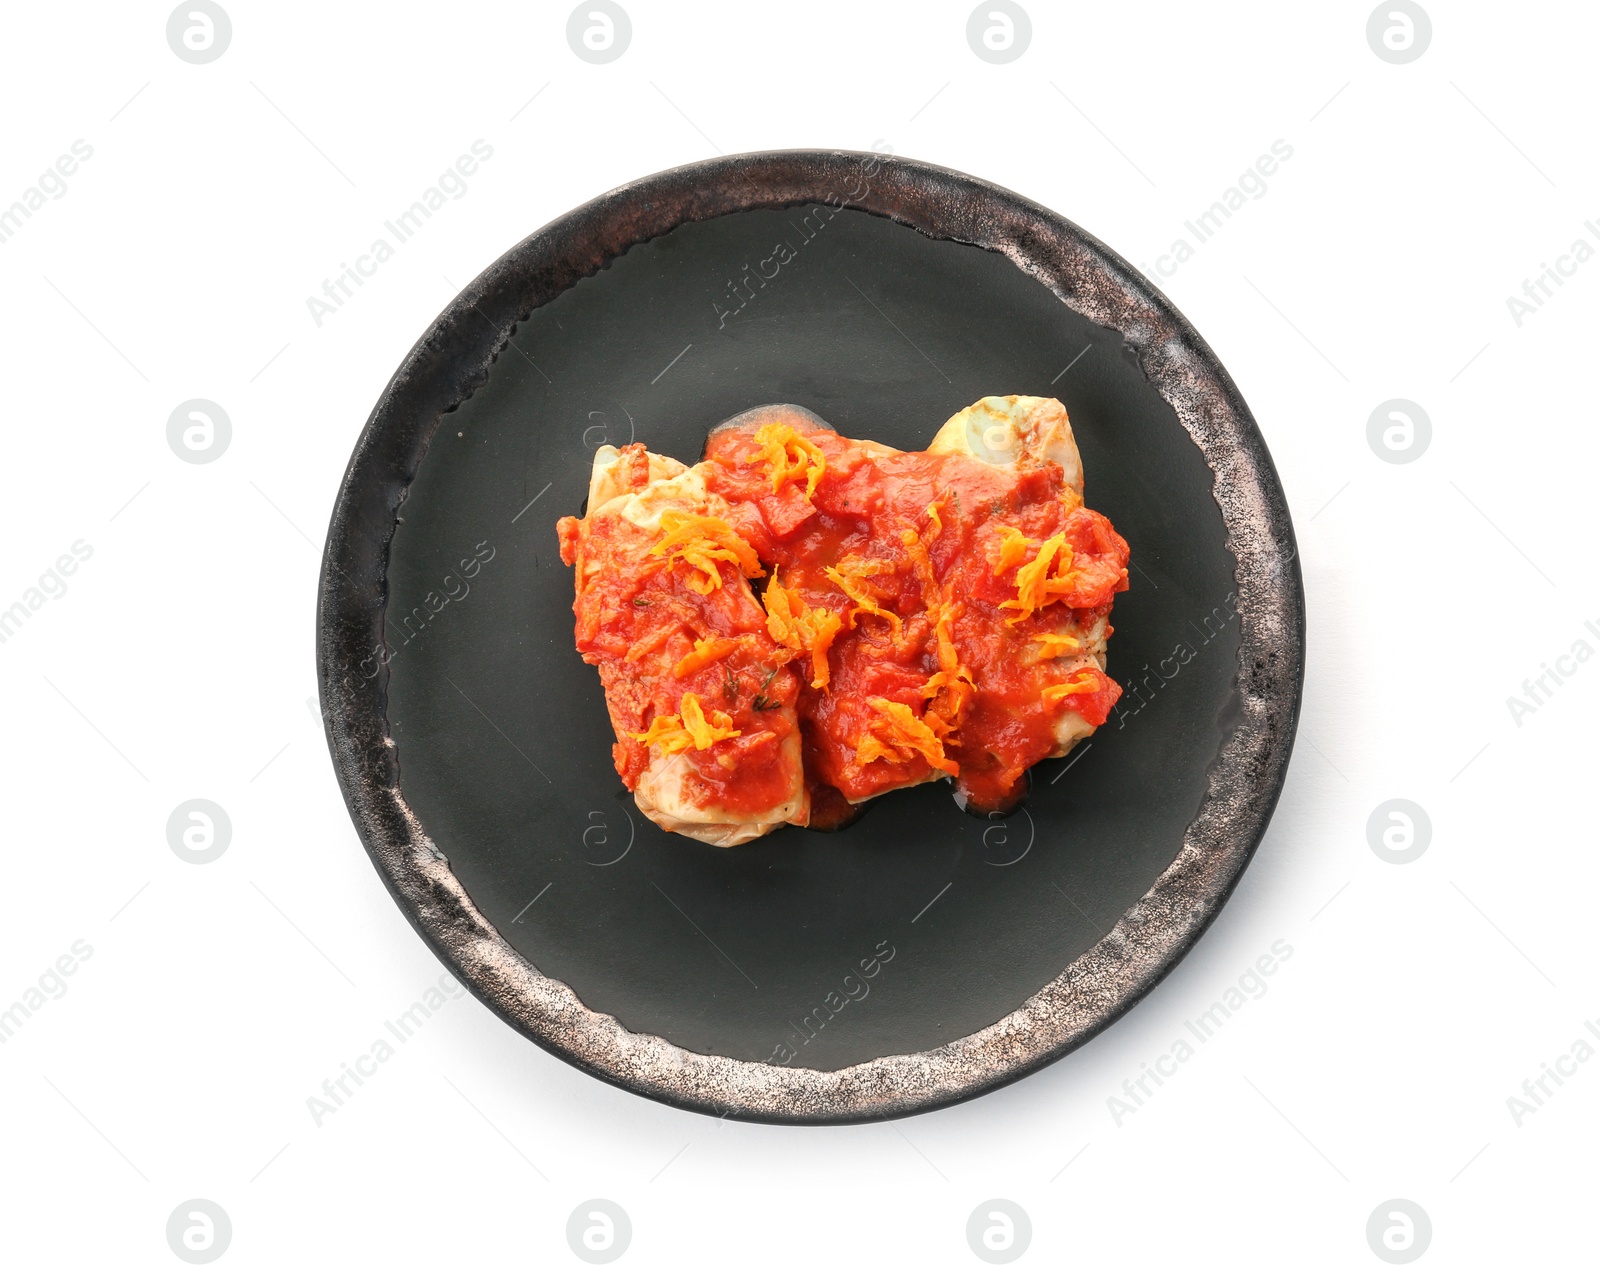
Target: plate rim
x=454, y=357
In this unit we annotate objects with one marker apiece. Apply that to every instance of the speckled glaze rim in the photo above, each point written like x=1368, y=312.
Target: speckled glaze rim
x=453, y=359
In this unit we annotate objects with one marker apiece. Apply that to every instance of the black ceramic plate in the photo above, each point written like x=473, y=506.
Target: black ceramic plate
x=922, y=955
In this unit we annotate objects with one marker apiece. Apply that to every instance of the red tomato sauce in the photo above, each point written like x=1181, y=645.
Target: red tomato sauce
x=921, y=538
x=638, y=621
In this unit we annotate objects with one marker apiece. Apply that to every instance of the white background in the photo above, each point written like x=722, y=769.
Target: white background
x=178, y=663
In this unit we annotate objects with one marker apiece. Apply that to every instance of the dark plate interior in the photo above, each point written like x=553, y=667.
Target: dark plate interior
x=502, y=739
